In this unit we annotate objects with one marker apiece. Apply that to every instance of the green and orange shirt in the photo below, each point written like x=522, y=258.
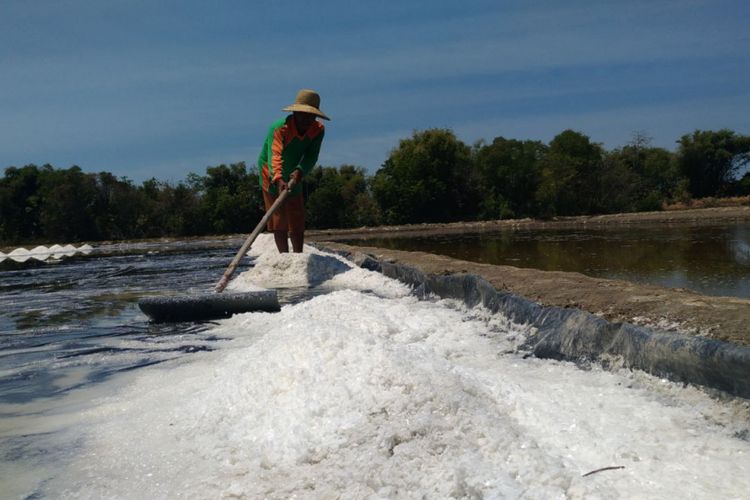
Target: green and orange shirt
x=285, y=151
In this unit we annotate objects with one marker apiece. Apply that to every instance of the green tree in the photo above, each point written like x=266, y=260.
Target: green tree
x=428, y=178
x=67, y=209
x=711, y=159
x=338, y=198
x=119, y=207
x=182, y=206
x=508, y=173
x=156, y=215
x=571, y=172
x=19, y=204
x=743, y=185
x=230, y=198
x=154, y=209
x=639, y=177
x=619, y=186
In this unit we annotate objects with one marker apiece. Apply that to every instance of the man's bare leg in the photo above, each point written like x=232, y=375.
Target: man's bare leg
x=282, y=242
x=298, y=240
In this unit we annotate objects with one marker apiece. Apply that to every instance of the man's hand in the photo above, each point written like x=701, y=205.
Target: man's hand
x=282, y=185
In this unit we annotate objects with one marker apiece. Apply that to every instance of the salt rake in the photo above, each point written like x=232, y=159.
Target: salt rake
x=216, y=305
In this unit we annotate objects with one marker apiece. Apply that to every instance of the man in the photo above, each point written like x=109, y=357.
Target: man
x=290, y=151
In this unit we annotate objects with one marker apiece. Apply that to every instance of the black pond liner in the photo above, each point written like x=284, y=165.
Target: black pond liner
x=574, y=335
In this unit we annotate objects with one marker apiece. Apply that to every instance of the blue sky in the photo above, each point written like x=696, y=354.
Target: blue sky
x=163, y=88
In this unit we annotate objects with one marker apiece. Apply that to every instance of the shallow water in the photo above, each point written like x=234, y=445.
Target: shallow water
x=359, y=389
x=75, y=321
x=713, y=260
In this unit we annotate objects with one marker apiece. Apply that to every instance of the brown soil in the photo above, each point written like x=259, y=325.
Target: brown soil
x=722, y=318
x=701, y=216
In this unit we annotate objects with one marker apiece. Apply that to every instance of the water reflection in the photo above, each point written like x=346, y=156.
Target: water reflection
x=713, y=260
x=740, y=245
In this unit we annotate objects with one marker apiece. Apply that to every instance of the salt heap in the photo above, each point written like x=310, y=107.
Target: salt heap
x=366, y=391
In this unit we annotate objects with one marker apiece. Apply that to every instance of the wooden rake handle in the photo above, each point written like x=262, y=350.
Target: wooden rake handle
x=224, y=281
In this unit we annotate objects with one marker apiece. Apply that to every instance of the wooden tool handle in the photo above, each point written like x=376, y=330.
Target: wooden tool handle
x=224, y=281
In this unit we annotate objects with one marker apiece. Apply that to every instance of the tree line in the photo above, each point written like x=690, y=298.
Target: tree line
x=431, y=176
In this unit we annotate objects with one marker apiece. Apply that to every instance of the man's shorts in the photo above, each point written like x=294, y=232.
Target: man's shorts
x=289, y=217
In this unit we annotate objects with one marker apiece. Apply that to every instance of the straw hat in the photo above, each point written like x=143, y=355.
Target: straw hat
x=307, y=101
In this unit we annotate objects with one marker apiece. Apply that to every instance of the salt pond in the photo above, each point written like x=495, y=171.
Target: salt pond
x=366, y=391
x=709, y=259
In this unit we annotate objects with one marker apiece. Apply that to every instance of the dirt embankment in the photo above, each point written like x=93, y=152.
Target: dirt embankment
x=722, y=318
x=701, y=216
